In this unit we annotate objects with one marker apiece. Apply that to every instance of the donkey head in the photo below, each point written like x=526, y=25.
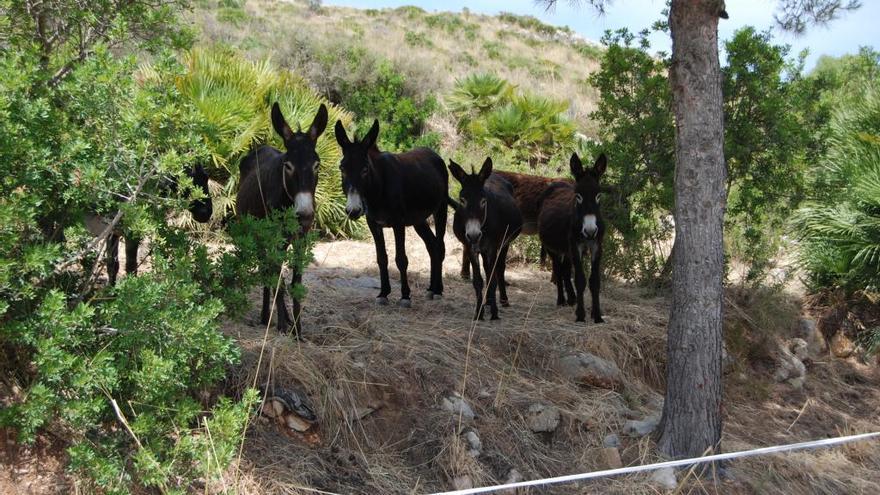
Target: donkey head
x=201, y=209
x=301, y=162
x=473, y=199
x=356, y=167
x=587, y=194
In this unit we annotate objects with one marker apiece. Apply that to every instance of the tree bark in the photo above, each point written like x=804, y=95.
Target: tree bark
x=691, y=423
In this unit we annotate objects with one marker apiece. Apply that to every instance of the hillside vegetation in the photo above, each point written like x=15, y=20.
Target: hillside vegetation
x=329, y=45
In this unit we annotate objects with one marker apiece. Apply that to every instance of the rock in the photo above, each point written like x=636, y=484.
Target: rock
x=611, y=440
x=799, y=348
x=807, y=328
x=462, y=482
x=842, y=346
x=641, y=428
x=513, y=476
x=456, y=405
x=612, y=458
x=296, y=423
x=474, y=443
x=590, y=370
x=791, y=368
x=543, y=418
x=665, y=478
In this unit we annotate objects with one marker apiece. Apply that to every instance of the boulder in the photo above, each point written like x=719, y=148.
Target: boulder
x=665, y=478
x=587, y=369
x=458, y=406
x=462, y=482
x=791, y=368
x=635, y=428
x=543, y=418
x=475, y=446
x=611, y=440
x=612, y=458
x=842, y=346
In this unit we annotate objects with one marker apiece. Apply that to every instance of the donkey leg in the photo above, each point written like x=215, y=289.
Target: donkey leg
x=283, y=318
x=112, y=258
x=432, y=246
x=297, y=308
x=131, y=255
x=264, y=314
x=402, y=263
x=465, y=262
x=381, y=260
x=580, y=282
x=502, y=268
x=439, y=249
x=595, y=273
x=565, y=277
x=477, y=281
x=560, y=296
x=490, y=265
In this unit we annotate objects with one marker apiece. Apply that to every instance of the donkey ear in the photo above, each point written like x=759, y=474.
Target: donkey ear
x=279, y=123
x=373, y=134
x=486, y=171
x=600, y=165
x=456, y=170
x=319, y=124
x=577, y=168
x=341, y=136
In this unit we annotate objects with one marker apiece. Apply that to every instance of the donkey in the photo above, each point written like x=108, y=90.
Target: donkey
x=486, y=222
x=396, y=191
x=200, y=209
x=569, y=223
x=527, y=191
x=276, y=180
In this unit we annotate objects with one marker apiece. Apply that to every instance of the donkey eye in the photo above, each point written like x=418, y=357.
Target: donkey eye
x=316, y=165
x=578, y=198
x=597, y=197
x=483, y=203
x=364, y=172
x=463, y=201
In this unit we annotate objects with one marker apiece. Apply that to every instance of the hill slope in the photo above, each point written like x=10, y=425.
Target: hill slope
x=432, y=49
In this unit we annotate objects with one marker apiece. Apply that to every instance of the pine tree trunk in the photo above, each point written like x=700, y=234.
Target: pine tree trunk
x=691, y=423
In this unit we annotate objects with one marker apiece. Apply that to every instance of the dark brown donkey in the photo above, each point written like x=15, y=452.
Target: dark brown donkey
x=486, y=222
x=569, y=223
x=396, y=191
x=271, y=180
x=527, y=191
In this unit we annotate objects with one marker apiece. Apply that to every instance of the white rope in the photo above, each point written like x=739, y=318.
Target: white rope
x=827, y=442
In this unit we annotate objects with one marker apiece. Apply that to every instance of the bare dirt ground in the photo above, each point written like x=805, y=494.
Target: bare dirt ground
x=377, y=377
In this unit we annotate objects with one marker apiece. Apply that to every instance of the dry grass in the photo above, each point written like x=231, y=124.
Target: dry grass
x=274, y=29
x=403, y=362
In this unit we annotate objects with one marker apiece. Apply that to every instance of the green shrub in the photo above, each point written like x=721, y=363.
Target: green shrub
x=116, y=369
x=839, y=230
x=415, y=39
x=401, y=115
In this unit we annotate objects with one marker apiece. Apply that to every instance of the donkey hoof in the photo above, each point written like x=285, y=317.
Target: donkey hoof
x=598, y=320
x=405, y=303
x=505, y=303
x=433, y=296
x=382, y=301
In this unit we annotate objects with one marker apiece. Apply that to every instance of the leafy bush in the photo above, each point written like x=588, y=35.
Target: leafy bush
x=489, y=111
x=839, y=231
x=117, y=370
x=765, y=123
x=401, y=115
x=416, y=39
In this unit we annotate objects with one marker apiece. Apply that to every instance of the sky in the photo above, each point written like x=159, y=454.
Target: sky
x=844, y=35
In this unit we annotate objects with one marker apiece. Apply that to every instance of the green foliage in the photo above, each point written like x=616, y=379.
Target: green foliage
x=401, y=115
x=533, y=24
x=125, y=373
x=416, y=39
x=233, y=96
x=839, y=231
x=489, y=111
x=767, y=108
x=765, y=142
